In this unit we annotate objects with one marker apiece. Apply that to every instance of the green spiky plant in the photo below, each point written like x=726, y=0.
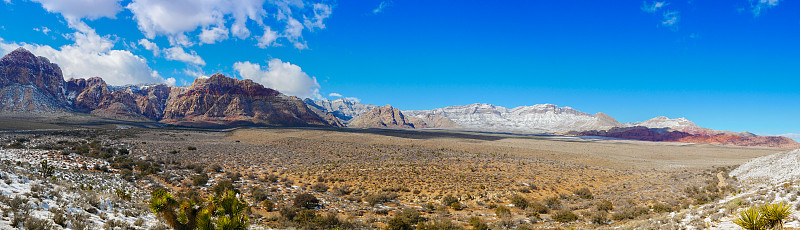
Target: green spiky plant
x=775, y=214
x=750, y=219
x=226, y=211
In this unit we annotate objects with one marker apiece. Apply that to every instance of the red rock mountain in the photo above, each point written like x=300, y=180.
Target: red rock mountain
x=33, y=85
x=696, y=136
x=220, y=100
x=30, y=84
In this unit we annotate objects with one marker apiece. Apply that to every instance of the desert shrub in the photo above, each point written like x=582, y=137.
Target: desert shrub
x=564, y=216
x=222, y=186
x=233, y=176
x=380, y=198
x=200, y=179
x=457, y=206
x=319, y=187
x=448, y=200
x=59, y=217
x=191, y=148
x=477, y=223
x=661, y=207
x=306, y=201
x=216, y=168
x=519, y=201
x=604, y=205
x=259, y=194
x=630, y=213
x=404, y=220
x=47, y=170
x=342, y=191
x=598, y=217
x=552, y=203
x=288, y=212
x=439, y=224
x=34, y=223
x=269, y=205
x=538, y=207
x=583, y=193
x=502, y=212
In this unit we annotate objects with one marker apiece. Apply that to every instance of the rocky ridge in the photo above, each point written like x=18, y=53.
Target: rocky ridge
x=33, y=85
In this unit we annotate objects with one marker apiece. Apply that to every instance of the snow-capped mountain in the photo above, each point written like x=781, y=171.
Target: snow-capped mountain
x=664, y=122
x=342, y=108
x=535, y=118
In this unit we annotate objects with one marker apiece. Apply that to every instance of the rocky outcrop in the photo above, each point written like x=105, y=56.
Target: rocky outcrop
x=131, y=102
x=223, y=101
x=671, y=135
x=30, y=84
x=435, y=121
x=385, y=117
x=526, y=119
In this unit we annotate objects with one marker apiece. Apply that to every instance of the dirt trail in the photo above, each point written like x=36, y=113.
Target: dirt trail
x=721, y=181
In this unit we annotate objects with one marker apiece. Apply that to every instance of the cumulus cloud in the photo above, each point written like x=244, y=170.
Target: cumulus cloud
x=174, y=19
x=148, y=45
x=653, y=7
x=282, y=76
x=92, y=55
x=178, y=54
x=213, y=35
x=334, y=95
x=761, y=5
x=76, y=9
x=382, y=6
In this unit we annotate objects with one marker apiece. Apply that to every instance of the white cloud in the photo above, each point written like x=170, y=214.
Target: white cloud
x=794, y=136
x=334, y=95
x=178, y=54
x=268, y=39
x=653, y=7
x=76, y=9
x=148, y=45
x=282, y=76
x=213, y=35
x=92, y=55
x=177, y=18
x=382, y=6
x=321, y=12
x=761, y=5
x=43, y=29
x=671, y=19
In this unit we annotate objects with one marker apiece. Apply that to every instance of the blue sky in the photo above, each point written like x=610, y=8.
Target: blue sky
x=729, y=65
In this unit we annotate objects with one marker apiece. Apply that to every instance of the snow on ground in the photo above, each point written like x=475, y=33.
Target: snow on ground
x=772, y=170
x=71, y=198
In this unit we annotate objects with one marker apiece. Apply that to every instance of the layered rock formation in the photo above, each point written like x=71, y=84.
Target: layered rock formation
x=221, y=100
x=531, y=119
x=30, y=84
x=384, y=117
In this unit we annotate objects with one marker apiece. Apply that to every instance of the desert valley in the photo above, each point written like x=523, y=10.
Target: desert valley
x=227, y=153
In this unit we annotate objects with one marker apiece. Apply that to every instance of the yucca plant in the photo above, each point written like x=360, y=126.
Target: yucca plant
x=750, y=219
x=775, y=214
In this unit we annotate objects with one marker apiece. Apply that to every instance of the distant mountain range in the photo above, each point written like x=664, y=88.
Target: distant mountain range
x=32, y=86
